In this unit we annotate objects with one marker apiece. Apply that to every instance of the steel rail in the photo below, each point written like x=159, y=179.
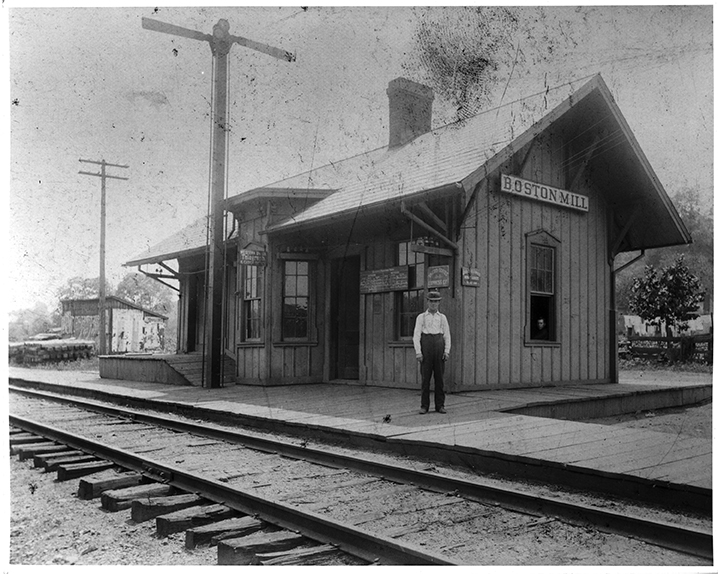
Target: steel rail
x=685, y=539
x=348, y=538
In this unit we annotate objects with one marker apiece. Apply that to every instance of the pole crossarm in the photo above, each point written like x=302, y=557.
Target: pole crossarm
x=104, y=175
x=103, y=163
x=264, y=48
x=157, y=26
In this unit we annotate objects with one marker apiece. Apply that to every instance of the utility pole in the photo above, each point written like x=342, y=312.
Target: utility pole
x=220, y=42
x=103, y=164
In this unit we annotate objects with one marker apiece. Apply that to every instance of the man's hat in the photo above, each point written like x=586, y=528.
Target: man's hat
x=434, y=296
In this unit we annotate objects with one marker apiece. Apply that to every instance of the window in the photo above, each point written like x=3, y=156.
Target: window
x=251, y=327
x=295, y=301
x=411, y=302
x=542, y=320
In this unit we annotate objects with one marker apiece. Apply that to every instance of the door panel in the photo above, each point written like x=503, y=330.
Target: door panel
x=345, y=319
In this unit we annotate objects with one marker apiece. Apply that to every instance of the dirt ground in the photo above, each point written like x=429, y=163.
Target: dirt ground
x=694, y=421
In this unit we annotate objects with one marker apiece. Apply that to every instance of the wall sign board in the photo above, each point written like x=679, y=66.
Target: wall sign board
x=470, y=277
x=437, y=276
x=380, y=280
x=541, y=192
x=251, y=257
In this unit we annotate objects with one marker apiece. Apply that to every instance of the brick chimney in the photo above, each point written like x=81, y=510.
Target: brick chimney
x=409, y=110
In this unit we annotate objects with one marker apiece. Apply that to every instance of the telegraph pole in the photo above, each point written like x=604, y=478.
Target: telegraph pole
x=103, y=175
x=220, y=42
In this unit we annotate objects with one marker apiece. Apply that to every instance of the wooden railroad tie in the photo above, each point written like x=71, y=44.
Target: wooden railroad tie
x=70, y=471
x=243, y=550
x=94, y=485
x=41, y=460
x=181, y=520
x=214, y=532
x=144, y=509
x=121, y=499
x=297, y=556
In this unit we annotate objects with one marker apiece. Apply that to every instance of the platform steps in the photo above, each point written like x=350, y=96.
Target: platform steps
x=191, y=366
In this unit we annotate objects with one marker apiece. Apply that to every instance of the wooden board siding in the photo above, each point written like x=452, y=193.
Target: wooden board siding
x=489, y=321
x=494, y=314
x=388, y=362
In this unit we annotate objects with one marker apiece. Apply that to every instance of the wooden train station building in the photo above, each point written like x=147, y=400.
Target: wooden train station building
x=325, y=272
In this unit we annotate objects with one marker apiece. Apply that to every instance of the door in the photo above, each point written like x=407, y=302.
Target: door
x=345, y=318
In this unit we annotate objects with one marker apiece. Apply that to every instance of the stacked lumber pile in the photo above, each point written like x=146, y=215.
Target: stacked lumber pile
x=34, y=352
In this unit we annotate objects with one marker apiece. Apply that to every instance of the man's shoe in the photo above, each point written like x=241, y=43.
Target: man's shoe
x=423, y=411
x=442, y=410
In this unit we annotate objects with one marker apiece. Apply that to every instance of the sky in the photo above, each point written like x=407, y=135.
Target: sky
x=91, y=83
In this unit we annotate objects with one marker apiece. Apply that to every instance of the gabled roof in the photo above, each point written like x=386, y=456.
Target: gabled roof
x=123, y=303
x=461, y=154
x=192, y=239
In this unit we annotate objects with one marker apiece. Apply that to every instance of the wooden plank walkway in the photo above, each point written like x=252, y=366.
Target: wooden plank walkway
x=475, y=424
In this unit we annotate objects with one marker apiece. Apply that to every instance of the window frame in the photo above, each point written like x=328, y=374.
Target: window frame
x=310, y=296
x=542, y=239
x=260, y=271
x=417, y=286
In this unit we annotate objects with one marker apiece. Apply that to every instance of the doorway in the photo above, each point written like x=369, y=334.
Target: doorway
x=345, y=320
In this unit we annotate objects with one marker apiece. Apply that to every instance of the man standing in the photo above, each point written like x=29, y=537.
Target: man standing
x=432, y=343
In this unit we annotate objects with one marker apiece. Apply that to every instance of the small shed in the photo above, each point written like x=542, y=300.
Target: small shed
x=130, y=328
x=513, y=216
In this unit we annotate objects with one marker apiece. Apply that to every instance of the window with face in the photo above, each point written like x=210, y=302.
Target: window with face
x=295, y=301
x=542, y=251
x=410, y=302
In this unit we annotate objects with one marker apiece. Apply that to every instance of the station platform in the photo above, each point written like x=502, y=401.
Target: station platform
x=535, y=433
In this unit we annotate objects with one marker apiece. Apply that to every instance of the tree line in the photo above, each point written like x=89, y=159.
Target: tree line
x=133, y=287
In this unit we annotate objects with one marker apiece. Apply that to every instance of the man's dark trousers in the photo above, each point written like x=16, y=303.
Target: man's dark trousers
x=432, y=352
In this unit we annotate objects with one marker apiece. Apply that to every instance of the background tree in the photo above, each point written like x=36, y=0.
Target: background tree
x=146, y=292
x=28, y=322
x=669, y=297
x=81, y=288
x=698, y=256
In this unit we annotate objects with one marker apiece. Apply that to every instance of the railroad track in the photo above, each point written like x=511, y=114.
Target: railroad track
x=307, y=502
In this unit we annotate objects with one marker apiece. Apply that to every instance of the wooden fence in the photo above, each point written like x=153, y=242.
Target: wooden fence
x=697, y=348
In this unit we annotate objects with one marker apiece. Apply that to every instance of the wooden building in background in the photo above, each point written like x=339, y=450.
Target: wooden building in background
x=130, y=328
x=511, y=217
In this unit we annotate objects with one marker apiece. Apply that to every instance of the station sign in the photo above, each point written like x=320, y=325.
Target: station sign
x=470, y=277
x=251, y=257
x=541, y=192
x=437, y=276
x=381, y=280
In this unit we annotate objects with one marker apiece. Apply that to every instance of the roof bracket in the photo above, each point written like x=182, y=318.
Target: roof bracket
x=526, y=157
x=624, y=231
x=469, y=205
x=631, y=262
x=584, y=163
x=159, y=278
x=427, y=227
x=431, y=215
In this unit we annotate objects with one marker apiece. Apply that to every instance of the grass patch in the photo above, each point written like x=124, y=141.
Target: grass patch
x=652, y=365
x=91, y=364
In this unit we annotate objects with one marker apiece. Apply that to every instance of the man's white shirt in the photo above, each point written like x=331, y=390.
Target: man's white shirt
x=432, y=324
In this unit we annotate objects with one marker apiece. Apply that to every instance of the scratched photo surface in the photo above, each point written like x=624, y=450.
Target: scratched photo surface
x=110, y=119
x=94, y=84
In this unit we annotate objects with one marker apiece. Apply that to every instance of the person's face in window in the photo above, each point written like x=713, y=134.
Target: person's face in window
x=541, y=324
